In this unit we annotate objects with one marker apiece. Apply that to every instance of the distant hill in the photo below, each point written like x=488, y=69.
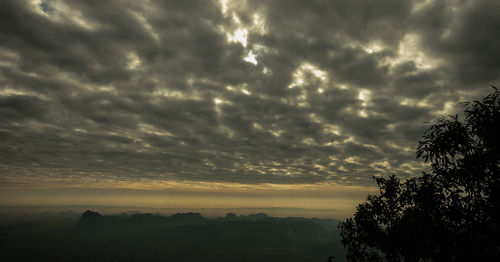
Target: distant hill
x=180, y=237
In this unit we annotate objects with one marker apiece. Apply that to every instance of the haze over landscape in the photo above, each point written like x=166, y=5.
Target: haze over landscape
x=283, y=107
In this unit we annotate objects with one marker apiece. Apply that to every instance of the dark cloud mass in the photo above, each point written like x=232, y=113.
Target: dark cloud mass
x=234, y=91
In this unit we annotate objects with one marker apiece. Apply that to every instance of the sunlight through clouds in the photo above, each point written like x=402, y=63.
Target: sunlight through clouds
x=239, y=36
x=233, y=91
x=408, y=51
x=299, y=76
x=133, y=61
x=251, y=58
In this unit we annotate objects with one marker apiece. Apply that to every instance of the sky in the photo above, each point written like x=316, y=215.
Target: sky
x=291, y=105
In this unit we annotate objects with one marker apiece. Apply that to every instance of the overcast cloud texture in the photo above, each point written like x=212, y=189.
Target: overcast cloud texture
x=248, y=92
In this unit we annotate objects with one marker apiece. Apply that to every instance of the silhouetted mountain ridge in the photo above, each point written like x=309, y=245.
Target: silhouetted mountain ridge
x=179, y=237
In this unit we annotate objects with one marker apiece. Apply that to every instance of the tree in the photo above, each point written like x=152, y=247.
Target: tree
x=450, y=213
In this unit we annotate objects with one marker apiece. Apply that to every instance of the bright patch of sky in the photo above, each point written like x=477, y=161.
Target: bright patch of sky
x=134, y=61
x=239, y=36
x=364, y=97
x=408, y=50
x=373, y=48
x=251, y=58
x=299, y=76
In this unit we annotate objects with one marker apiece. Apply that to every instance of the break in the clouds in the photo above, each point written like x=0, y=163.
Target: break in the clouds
x=234, y=91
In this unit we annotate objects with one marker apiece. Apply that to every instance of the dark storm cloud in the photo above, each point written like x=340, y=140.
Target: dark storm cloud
x=338, y=91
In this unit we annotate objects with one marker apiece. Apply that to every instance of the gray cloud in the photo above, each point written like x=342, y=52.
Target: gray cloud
x=339, y=90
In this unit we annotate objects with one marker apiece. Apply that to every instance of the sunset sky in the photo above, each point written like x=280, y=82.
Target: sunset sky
x=284, y=105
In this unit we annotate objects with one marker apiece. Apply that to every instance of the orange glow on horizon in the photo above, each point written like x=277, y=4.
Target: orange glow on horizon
x=325, y=198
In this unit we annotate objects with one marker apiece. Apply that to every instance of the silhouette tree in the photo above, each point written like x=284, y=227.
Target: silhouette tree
x=450, y=213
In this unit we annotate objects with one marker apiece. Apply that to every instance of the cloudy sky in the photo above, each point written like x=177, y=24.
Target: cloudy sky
x=229, y=103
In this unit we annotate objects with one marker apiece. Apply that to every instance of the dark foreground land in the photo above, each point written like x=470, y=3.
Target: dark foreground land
x=68, y=236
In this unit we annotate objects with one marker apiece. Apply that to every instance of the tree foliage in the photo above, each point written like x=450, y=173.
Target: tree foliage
x=450, y=213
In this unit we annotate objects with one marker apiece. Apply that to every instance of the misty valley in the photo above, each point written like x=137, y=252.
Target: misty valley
x=70, y=236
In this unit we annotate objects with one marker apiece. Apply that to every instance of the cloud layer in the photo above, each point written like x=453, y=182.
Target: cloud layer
x=234, y=91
